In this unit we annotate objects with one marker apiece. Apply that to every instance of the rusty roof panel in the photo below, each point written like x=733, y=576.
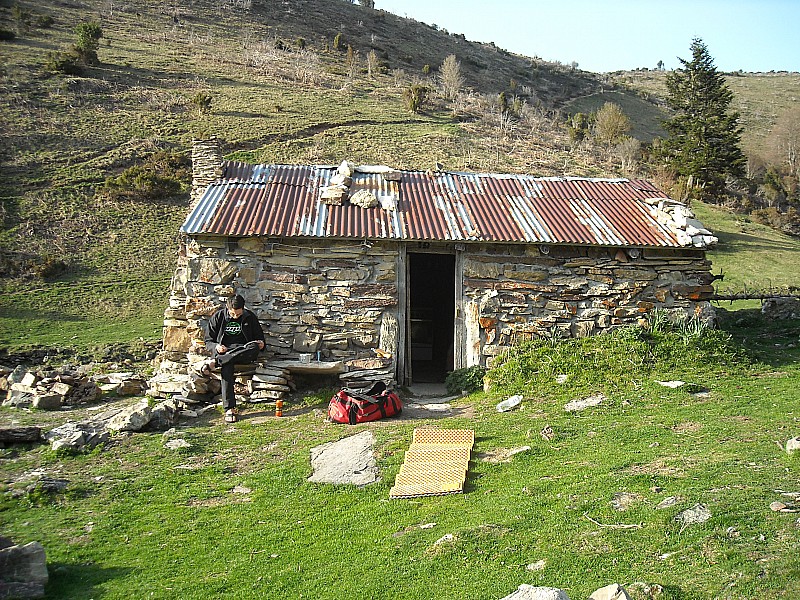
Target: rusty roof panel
x=283, y=200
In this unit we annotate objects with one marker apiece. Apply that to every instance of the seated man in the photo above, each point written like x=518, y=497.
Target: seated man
x=234, y=336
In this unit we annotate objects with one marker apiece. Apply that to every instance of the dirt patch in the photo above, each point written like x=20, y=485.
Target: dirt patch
x=741, y=419
x=218, y=501
x=687, y=427
x=659, y=466
x=501, y=455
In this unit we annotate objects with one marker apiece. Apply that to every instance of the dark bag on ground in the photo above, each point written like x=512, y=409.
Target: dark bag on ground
x=349, y=406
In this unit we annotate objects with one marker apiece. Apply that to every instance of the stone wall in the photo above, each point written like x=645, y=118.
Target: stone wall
x=517, y=293
x=339, y=299
x=332, y=300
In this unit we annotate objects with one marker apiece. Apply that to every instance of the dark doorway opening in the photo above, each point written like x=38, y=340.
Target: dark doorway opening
x=431, y=313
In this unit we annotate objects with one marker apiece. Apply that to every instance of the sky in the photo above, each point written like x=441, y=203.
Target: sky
x=603, y=36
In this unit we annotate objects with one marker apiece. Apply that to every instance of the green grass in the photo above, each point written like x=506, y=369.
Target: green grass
x=750, y=255
x=140, y=519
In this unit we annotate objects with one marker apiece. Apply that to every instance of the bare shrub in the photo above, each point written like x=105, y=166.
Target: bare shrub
x=372, y=63
x=307, y=67
x=450, y=77
x=352, y=62
x=784, y=140
x=628, y=151
x=400, y=77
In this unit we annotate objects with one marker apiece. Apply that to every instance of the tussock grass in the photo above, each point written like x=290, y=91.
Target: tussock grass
x=618, y=364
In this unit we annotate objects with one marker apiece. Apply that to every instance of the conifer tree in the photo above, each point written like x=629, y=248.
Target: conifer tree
x=704, y=135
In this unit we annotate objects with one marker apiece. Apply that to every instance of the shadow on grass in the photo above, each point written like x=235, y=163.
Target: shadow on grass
x=69, y=580
x=15, y=313
x=771, y=341
x=733, y=242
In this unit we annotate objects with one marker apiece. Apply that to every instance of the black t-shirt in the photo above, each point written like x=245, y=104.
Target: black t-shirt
x=233, y=335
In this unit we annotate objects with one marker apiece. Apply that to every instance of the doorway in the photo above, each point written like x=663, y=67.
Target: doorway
x=431, y=316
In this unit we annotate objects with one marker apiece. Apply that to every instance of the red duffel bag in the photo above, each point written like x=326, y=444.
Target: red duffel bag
x=348, y=406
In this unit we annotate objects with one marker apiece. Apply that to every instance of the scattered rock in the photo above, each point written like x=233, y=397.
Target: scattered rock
x=364, y=199
x=164, y=415
x=509, y=404
x=131, y=418
x=547, y=433
x=47, y=485
x=240, y=489
x=693, y=516
x=639, y=590
x=76, y=436
x=177, y=444
x=348, y=461
x=671, y=384
x=48, y=389
x=781, y=308
x=624, y=500
x=436, y=407
x=447, y=538
x=23, y=570
x=529, y=592
x=667, y=502
x=779, y=506
x=539, y=565
x=584, y=403
x=562, y=378
x=613, y=591
x=502, y=455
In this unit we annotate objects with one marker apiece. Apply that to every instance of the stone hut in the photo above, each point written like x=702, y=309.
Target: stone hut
x=377, y=273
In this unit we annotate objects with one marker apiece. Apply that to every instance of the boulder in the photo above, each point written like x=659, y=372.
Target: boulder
x=20, y=435
x=132, y=418
x=792, y=445
x=17, y=398
x=530, y=592
x=613, y=591
x=348, y=461
x=23, y=570
x=164, y=415
x=781, y=308
x=77, y=436
x=46, y=401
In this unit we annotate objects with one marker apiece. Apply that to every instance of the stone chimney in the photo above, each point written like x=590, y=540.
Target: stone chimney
x=206, y=167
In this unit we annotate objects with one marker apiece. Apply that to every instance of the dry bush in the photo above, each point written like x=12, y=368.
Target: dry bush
x=307, y=67
x=450, y=77
x=400, y=77
x=628, y=152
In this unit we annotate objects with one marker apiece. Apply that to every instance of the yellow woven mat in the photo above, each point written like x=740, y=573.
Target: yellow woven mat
x=436, y=463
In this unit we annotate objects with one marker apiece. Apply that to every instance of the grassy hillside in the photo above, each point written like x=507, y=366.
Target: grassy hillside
x=758, y=97
x=749, y=254
x=75, y=255
x=645, y=116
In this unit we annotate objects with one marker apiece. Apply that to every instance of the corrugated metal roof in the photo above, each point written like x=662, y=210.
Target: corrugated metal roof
x=283, y=201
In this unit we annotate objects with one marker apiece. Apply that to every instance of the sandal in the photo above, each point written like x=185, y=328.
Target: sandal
x=206, y=367
x=230, y=416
